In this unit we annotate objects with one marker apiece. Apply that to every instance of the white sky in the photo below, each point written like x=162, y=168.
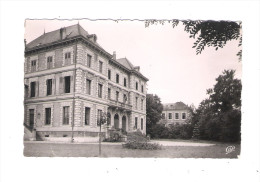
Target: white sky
x=165, y=55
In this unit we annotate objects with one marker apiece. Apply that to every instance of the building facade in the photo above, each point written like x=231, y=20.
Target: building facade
x=70, y=80
x=174, y=113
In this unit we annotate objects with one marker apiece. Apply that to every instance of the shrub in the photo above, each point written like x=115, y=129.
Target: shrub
x=141, y=145
x=137, y=136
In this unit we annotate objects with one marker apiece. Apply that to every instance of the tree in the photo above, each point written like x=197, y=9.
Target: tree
x=153, y=111
x=219, y=116
x=208, y=33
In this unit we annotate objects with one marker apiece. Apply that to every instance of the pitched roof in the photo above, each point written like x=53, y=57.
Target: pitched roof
x=126, y=63
x=175, y=106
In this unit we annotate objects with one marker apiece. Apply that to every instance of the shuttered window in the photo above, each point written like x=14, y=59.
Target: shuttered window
x=49, y=62
x=47, y=116
x=66, y=115
x=33, y=66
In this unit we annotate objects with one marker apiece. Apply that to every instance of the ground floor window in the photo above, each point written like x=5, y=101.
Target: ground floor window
x=170, y=115
x=176, y=115
x=142, y=123
x=87, y=115
x=136, y=119
x=47, y=116
x=66, y=115
x=183, y=115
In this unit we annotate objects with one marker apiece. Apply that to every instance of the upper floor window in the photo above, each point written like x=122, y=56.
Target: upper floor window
x=117, y=78
x=87, y=115
x=66, y=115
x=47, y=116
x=117, y=95
x=100, y=90
x=176, y=115
x=125, y=98
x=183, y=116
x=89, y=60
x=135, y=122
x=125, y=82
x=88, y=86
x=100, y=66
x=33, y=66
x=95, y=57
x=33, y=89
x=49, y=86
x=136, y=85
x=109, y=74
x=142, y=89
x=31, y=117
x=163, y=115
x=109, y=93
x=67, y=56
x=136, y=102
x=49, y=62
x=142, y=104
x=67, y=84
x=170, y=115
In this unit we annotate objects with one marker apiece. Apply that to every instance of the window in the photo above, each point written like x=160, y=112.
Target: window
x=87, y=115
x=142, y=123
x=88, y=86
x=67, y=84
x=47, y=116
x=67, y=56
x=99, y=116
x=66, y=115
x=125, y=82
x=136, y=85
x=109, y=74
x=100, y=90
x=163, y=115
x=49, y=86
x=170, y=115
x=49, y=62
x=33, y=66
x=176, y=115
x=100, y=66
x=183, y=116
x=136, y=102
x=33, y=88
x=109, y=93
x=31, y=113
x=89, y=60
x=142, y=104
x=125, y=98
x=117, y=78
x=95, y=57
x=135, y=122
x=117, y=95
x=142, y=89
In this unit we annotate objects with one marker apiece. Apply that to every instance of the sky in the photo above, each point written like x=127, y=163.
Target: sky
x=164, y=54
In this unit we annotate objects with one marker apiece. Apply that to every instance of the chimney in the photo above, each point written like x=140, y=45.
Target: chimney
x=137, y=68
x=114, y=55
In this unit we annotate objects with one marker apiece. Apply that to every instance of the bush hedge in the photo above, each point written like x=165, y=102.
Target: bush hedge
x=142, y=145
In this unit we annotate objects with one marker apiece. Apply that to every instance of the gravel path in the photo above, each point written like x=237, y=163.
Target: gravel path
x=190, y=144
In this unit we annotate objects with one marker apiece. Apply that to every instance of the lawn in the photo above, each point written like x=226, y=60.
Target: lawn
x=91, y=150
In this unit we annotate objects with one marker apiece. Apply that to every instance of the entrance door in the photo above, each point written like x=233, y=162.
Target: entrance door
x=124, y=123
x=116, y=121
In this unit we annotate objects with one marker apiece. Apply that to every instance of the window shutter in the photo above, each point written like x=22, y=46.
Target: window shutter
x=37, y=89
x=53, y=86
x=61, y=86
x=71, y=84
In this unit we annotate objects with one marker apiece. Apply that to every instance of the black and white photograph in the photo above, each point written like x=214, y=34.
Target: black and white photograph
x=121, y=88
x=129, y=91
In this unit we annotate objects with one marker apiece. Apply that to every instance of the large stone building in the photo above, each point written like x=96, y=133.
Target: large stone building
x=174, y=113
x=70, y=80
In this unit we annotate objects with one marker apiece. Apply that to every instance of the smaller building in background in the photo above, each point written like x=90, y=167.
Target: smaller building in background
x=174, y=113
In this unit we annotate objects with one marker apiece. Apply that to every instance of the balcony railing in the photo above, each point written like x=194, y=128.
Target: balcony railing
x=119, y=105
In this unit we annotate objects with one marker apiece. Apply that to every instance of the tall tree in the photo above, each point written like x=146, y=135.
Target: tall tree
x=153, y=111
x=208, y=33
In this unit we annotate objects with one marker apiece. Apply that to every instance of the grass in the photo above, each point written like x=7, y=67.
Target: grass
x=91, y=150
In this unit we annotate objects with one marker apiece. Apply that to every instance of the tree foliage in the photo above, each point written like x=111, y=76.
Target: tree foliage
x=208, y=33
x=153, y=111
x=219, y=116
